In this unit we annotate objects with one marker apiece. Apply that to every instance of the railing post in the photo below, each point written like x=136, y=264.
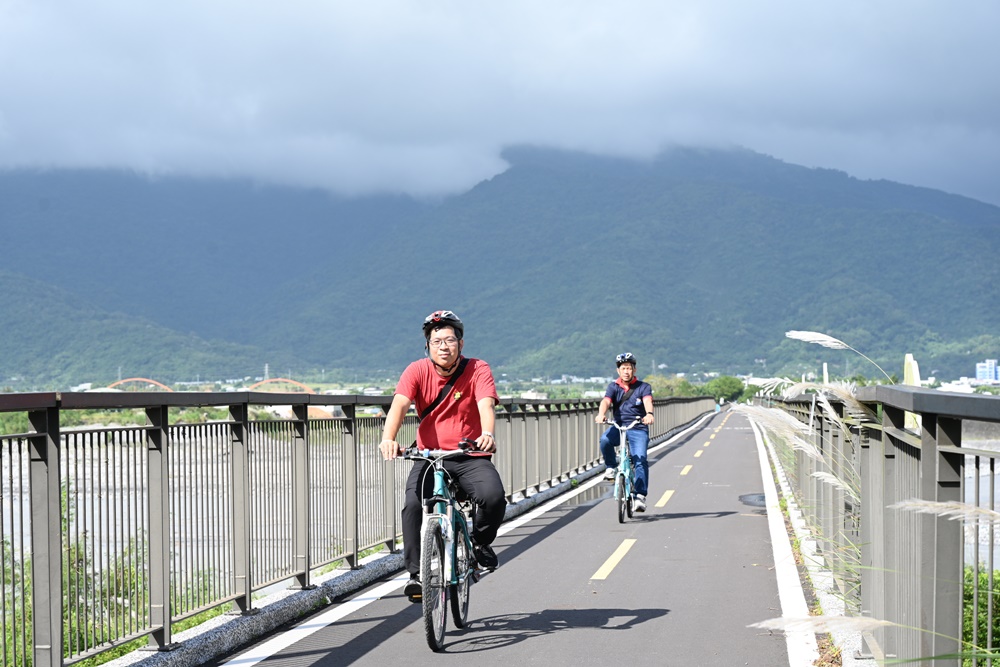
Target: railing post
x=300, y=493
x=158, y=483
x=46, y=539
x=872, y=576
x=351, y=485
x=532, y=454
x=519, y=458
x=892, y=418
x=948, y=574
x=242, y=510
x=392, y=520
x=556, y=455
x=505, y=431
x=581, y=417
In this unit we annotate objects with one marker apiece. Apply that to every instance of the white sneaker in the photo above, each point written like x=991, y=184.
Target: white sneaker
x=639, y=504
x=609, y=474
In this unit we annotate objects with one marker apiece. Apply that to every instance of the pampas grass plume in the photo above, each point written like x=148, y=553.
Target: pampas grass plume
x=830, y=342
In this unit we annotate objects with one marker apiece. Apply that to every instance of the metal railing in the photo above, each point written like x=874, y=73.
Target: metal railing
x=908, y=522
x=114, y=534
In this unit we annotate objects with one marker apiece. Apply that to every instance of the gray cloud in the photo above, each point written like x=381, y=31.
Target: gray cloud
x=393, y=95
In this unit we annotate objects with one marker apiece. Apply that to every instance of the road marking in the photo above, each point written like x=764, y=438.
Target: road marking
x=801, y=645
x=711, y=437
x=298, y=633
x=664, y=498
x=698, y=453
x=686, y=470
x=616, y=558
x=708, y=443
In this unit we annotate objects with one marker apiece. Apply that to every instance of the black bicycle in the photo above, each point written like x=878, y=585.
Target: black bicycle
x=447, y=562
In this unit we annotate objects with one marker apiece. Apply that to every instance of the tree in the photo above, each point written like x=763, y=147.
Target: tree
x=724, y=386
x=671, y=386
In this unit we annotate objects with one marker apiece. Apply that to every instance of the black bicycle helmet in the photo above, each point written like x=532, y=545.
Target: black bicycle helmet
x=625, y=358
x=443, y=318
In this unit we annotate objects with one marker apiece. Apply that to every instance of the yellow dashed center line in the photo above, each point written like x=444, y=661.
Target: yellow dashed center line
x=664, y=498
x=711, y=437
x=698, y=453
x=708, y=443
x=616, y=558
x=686, y=470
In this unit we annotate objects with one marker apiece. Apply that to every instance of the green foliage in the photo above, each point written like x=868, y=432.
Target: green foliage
x=672, y=386
x=988, y=601
x=17, y=422
x=17, y=608
x=725, y=387
x=14, y=422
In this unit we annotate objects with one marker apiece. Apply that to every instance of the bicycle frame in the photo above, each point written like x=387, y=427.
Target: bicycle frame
x=624, y=474
x=442, y=507
x=447, y=557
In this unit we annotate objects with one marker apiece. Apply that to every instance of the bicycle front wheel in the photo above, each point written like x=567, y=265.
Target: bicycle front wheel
x=435, y=601
x=621, y=493
x=464, y=567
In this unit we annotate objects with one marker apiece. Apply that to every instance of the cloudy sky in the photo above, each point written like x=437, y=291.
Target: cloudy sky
x=421, y=96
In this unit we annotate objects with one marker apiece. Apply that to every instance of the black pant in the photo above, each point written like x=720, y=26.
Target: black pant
x=478, y=478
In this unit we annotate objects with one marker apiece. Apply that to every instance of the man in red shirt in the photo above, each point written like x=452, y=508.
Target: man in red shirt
x=466, y=411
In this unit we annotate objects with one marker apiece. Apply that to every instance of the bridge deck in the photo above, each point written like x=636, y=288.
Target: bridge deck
x=700, y=569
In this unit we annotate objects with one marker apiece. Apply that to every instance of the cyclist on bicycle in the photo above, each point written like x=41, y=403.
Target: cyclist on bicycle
x=630, y=398
x=460, y=394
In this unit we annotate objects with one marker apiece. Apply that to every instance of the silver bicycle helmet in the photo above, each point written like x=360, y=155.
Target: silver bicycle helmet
x=625, y=358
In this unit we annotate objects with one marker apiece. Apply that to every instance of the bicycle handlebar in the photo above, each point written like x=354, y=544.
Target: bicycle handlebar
x=635, y=422
x=464, y=446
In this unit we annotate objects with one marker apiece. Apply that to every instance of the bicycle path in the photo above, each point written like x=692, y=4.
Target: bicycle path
x=677, y=585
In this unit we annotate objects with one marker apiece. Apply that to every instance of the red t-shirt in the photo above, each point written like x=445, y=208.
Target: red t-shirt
x=457, y=416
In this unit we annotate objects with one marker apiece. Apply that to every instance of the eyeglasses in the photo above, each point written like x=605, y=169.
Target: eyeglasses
x=442, y=342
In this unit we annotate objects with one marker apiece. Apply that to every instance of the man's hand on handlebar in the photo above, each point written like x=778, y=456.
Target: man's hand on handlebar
x=390, y=449
x=486, y=443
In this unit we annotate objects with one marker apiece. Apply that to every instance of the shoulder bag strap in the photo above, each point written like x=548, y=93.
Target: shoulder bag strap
x=445, y=389
x=627, y=395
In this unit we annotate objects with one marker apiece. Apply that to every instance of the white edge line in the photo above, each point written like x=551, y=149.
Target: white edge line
x=801, y=644
x=300, y=632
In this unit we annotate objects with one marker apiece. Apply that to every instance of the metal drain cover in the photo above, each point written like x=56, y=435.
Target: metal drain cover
x=753, y=499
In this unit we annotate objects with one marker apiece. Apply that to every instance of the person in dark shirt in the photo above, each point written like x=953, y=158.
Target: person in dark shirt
x=629, y=397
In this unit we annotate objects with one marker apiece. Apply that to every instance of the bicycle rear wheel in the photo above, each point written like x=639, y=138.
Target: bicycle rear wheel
x=435, y=601
x=621, y=494
x=464, y=568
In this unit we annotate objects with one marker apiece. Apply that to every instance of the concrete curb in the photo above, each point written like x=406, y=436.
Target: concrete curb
x=829, y=597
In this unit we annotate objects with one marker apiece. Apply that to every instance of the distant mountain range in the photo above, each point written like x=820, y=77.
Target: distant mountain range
x=698, y=260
